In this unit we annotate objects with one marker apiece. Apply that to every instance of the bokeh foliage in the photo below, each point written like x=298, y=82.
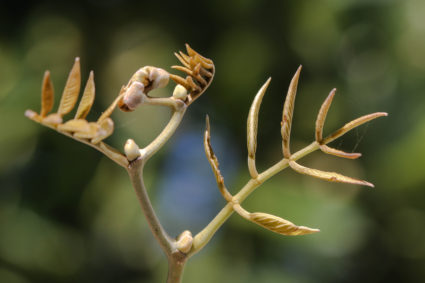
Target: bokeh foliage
x=69, y=215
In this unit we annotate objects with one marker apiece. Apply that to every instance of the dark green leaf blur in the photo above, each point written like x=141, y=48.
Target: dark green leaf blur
x=68, y=214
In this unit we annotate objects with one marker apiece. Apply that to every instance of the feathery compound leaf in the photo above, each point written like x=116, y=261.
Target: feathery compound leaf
x=87, y=100
x=252, y=128
x=327, y=176
x=71, y=90
x=280, y=225
x=288, y=110
x=321, y=116
x=47, y=96
x=353, y=124
x=320, y=122
x=199, y=70
x=212, y=159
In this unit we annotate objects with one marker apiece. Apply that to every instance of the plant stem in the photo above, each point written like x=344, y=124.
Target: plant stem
x=176, y=264
x=135, y=172
x=166, y=133
x=176, y=259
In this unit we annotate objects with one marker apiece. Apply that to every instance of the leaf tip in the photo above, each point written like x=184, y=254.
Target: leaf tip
x=297, y=73
x=266, y=84
x=207, y=122
x=369, y=184
x=30, y=114
x=307, y=230
x=354, y=155
x=329, y=99
x=268, y=80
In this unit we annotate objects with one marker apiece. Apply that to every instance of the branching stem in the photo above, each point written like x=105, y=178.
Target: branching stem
x=203, y=237
x=176, y=259
x=200, y=71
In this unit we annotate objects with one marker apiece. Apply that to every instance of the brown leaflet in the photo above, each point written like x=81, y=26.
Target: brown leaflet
x=71, y=90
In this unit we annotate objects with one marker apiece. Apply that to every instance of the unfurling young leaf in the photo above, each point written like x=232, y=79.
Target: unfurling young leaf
x=199, y=71
x=288, y=110
x=327, y=176
x=212, y=159
x=336, y=152
x=183, y=58
x=206, y=63
x=71, y=90
x=321, y=116
x=47, y=95
x=252, y=128
x=183, y=69
x=353, y=124
x=87, y=100
x=273, y=223
x=320, y=123
x=179, y=80
x=280, y=225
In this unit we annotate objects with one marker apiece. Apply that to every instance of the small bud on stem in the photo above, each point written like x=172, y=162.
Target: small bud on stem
x=131, y=150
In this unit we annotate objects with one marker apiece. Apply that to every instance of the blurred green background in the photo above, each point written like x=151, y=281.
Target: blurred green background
x=67, y=214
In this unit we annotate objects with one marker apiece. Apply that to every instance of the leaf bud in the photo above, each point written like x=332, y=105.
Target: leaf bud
x=131, y=150
x=180, y=92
